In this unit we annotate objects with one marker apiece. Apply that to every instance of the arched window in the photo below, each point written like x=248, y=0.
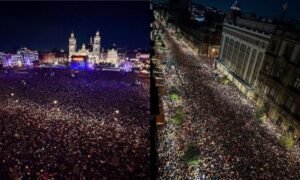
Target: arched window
x=235, y=54
x=246, y=61
x=251, y=65
x=225, y=48
x=229, y=54
x=240, y=59
x=257, y=68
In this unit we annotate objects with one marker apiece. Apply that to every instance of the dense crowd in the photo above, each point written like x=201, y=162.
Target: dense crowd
x=62, y=124
x=220, y=123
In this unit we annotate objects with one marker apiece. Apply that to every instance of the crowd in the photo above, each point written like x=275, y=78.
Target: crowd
x=220, y=123
x=59, y=124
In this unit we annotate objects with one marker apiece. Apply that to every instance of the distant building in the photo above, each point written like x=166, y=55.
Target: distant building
x=4, y=59
x=16, y=60
x=92, y=51
x=279, y=81
x=93, y=54
x=198, y=25
x=23, y=57
x=29, y=56
x=47, y=58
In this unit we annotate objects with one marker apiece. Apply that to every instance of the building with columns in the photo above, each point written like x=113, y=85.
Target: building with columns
x=92, y=52
x=243, y=45
x=262, y=59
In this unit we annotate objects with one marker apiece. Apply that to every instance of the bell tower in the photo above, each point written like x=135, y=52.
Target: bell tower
x=72, y=45
x=96, y=44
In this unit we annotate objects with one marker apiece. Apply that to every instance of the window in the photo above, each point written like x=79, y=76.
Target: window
x=225, y=48
x=261, y=83
x=273, y=46
x=297, y=82
x=267, y=89
x=240, y=60
x=228, y=56
x=251, y=66
x=257, y=67
x=234, y=55
x=279, y=72
x=245, y=64
x=288, y=102
x=267, y=67
x=288, y=51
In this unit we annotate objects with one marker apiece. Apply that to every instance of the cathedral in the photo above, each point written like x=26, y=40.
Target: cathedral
x=91, y=53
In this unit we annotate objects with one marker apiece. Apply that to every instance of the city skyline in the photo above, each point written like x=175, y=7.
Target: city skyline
x=45, y=25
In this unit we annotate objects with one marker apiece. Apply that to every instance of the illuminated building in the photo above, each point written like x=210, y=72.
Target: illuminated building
x=23, y=57
x=4, y=59
x=47, y=58
x=16, y=60
x=203, y=37
x=279, y=81
x=244, y=42
x=29, y=56
x=262, y=59
x=93, y=54
x=92, y=51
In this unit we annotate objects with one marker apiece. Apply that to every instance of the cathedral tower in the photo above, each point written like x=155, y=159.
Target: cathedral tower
x=97, y=42
x=72, y=46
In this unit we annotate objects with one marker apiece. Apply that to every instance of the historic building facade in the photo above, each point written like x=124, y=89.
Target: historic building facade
x=263, y=60
x=279, y=81
x=243, y=45
x=92, y=51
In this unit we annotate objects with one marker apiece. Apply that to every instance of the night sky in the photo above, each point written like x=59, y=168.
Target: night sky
x=47, y=25
x=269, y=8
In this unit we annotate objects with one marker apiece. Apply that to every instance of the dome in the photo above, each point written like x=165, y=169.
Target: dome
x=97, y=33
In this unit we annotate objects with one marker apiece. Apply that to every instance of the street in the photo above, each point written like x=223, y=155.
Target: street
x=220, y=122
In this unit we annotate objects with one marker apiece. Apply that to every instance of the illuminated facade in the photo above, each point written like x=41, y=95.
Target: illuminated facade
x=243, y=46
x=29, y=56
x=92, y=51
x=262, y=59
x=23, y=57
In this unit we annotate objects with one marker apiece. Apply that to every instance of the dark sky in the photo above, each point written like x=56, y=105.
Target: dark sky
x=270, y=8
x=47, y=25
